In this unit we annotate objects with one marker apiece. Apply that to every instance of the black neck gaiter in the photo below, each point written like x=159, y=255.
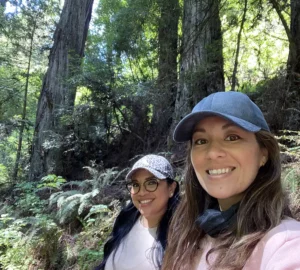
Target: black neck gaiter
x=214, y=222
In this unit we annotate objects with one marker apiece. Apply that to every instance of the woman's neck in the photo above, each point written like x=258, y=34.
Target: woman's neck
x=225, y=204
x=149, y=222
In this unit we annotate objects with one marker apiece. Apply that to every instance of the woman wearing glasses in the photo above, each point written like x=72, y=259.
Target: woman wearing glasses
x=138, y=238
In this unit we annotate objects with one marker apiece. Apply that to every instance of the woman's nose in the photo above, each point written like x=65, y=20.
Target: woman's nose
x=143, y=190
x=215, y=150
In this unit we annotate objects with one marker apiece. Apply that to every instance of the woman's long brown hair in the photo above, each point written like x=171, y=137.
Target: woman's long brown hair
x=262, y=208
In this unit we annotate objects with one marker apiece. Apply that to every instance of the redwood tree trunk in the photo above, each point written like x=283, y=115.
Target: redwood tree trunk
x=294, y=53
x=58, y=92
x=201, y=69
x=165, y=92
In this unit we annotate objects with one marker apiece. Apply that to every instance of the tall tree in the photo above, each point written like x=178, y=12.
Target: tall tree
x=294, y=54
x=293, y=34
x=290, y=100
x=58, y=92
x=164, y=101
x=237, y=52
x=31, y=35
x=201, y=68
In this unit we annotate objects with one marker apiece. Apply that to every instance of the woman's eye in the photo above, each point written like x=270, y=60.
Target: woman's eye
x=200, y=141
x=151, y=182
x=232, y=138
x=135, y=185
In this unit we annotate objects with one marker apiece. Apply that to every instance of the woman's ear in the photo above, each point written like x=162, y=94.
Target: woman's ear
x=264, y=158
x=172, y=188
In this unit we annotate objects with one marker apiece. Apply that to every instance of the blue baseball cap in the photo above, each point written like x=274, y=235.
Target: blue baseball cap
x=233, y=106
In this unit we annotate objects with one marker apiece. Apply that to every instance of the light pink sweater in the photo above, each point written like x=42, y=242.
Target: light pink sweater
x=279, y=249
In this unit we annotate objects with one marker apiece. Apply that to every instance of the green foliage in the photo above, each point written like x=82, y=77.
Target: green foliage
x=105, y=178
x=86, y=256
x=292, y=178
x=96, y=210
x=264, y=45
x=11, y=239
x=52, y=180
x=21, y=247
x=71, y=207
x=68, y=208
x=27, y=202
x=57, y=197
x=24, y=36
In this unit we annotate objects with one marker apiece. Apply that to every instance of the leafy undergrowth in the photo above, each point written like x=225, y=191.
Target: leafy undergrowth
x=54, y=224
x=291, y=178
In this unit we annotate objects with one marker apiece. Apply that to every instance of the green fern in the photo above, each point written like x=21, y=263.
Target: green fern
x=86, y=201
x=68, y=209
x=54, y=197
x=81, y=185
x=97, y=209
x=58, y=198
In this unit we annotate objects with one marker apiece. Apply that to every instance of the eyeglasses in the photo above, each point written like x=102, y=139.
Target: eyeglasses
x=149, y=185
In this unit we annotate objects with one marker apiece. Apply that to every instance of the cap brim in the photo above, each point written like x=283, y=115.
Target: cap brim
x=154, y=172
x=184, y=130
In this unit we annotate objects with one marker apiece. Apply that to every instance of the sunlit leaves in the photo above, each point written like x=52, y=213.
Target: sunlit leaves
x=264, y=45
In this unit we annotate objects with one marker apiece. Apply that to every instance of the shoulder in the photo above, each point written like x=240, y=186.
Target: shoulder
x=278, y=249
x=287, y=230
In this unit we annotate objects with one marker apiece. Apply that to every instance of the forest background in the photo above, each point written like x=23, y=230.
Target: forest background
x=87, y=87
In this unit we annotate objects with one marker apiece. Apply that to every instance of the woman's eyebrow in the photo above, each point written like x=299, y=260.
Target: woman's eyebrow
x=201, y=129
x=228, y=125
x=151, y=178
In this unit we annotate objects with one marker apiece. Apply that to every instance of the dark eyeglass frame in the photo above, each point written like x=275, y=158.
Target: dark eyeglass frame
x=129, y=185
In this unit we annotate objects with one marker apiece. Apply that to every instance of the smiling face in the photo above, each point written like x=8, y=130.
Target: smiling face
x=226, y=159
x=152, y=205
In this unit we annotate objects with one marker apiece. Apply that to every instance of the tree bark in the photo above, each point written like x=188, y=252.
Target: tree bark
x=293, y=66
x=59, y=89
x=165, y=92
x=201, y=69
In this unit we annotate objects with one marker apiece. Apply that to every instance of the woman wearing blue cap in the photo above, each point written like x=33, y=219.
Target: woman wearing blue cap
x=234, y=213
x=138, y=238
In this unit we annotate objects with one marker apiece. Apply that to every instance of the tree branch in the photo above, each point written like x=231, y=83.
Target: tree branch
x=238, y=46
x=283, y=20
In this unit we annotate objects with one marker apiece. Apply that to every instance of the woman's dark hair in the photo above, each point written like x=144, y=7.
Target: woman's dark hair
x=126, y=220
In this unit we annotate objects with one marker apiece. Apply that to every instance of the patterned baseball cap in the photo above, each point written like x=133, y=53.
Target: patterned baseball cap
x=157, y=165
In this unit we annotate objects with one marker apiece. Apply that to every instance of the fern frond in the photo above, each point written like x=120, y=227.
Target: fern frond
x=87, y=184
x=95, y=192
x=93, y=172
x=59, y=197
x=96, y=209
x=69, y=209
x=86, y=201
x=85, y=205
x=54, y=197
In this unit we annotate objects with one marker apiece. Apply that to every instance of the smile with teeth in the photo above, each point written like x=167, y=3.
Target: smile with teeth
x=145, y=201
x=220, y=171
